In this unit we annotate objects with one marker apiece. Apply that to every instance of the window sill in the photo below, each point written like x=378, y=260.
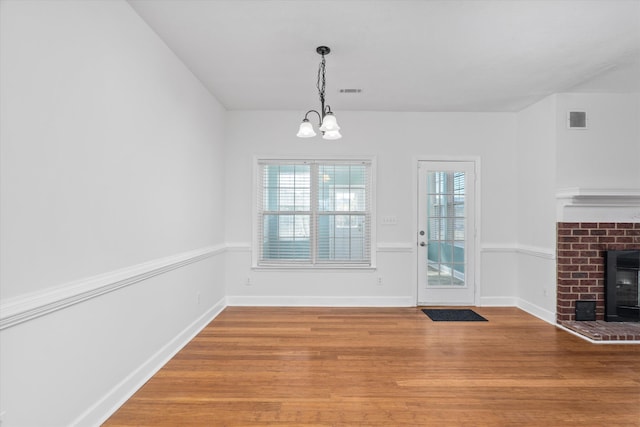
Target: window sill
x=315, y=268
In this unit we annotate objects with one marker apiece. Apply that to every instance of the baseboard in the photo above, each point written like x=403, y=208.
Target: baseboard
x=105, y=407
x=534, y=310
x=301, y=301
x=539, y=312
x=498, y=301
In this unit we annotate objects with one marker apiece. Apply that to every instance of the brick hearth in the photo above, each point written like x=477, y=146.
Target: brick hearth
x=605, y=331
x=580, y=261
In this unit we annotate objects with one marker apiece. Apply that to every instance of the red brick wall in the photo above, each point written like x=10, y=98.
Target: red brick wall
x=580, y=263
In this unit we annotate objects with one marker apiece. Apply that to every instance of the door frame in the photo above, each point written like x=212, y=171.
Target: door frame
x=478, y=220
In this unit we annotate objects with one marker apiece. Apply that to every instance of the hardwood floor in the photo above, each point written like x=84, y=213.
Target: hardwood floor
x=388, y=367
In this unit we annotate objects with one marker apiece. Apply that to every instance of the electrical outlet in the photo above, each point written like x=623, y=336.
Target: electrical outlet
x=248, y=281
x=379, y=280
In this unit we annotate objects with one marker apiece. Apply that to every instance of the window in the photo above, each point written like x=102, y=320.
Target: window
x=446, y=233
x=446, y=206
x=314, y=213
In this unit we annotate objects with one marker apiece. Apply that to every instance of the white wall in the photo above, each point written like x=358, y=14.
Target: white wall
x=112, y=175
x=536, y=208
x=396, y=140
x=553, y=159
x=605, y=155
x=122, y=179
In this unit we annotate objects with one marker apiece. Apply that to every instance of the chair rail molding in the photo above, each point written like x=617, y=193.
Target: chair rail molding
x=516, y=248
x=23, y=308
x=395, y=247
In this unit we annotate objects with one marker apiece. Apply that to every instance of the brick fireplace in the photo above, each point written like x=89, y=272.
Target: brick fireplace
x=581, y=250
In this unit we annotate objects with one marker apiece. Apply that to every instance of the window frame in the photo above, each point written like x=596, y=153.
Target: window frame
x=324, y=265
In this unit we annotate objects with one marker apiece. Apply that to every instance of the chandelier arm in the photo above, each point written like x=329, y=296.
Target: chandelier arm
x=319, y=116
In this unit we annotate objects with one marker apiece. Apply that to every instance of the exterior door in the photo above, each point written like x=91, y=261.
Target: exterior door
x=446, y=233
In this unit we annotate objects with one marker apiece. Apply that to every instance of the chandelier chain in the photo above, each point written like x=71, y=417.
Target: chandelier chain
x=321, y=81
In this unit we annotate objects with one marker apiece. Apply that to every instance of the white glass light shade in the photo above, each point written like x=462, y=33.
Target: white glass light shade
x=306, y=130
x=332, y=134
x=329, y=123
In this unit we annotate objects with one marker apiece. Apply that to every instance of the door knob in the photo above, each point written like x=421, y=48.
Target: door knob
x=423, y=244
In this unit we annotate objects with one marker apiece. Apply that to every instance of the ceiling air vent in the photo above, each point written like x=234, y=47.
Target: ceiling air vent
x=577, y=119
x=350, y=90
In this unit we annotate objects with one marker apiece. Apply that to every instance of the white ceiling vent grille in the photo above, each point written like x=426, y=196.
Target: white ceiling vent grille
x=577, y=120
x=350, y=90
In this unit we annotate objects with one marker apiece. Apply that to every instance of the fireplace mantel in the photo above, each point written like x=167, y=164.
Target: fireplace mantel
x=598, y=204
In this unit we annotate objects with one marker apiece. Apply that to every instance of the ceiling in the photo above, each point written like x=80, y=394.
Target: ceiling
x=419, y=55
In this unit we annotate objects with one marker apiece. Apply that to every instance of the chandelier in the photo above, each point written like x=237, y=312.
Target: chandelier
x=327, y=121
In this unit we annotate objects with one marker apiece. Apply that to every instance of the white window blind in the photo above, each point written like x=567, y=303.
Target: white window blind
x=314, y=212
x=446, y=206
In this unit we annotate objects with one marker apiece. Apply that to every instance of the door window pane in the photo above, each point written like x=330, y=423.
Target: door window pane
x=446, y=228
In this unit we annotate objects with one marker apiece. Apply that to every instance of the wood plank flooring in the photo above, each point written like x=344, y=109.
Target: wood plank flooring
x=388, y=367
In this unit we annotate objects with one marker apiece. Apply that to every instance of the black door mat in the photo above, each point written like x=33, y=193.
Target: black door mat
x=453, y=315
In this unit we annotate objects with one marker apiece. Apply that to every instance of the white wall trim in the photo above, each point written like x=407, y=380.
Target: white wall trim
x=23, y=308
x=598, y=204
x=600, y=195
x=498, y=247
x=305, y=301
x=238, y=247
x=539, y=312
x=105, y=407
x=498, y=301
x=536, y=251
x=405, y=247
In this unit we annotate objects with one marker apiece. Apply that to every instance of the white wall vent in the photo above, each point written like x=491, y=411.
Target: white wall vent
x=577, y=120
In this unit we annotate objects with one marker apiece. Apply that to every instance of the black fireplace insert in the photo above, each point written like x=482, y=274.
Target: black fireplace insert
x=622, y=293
